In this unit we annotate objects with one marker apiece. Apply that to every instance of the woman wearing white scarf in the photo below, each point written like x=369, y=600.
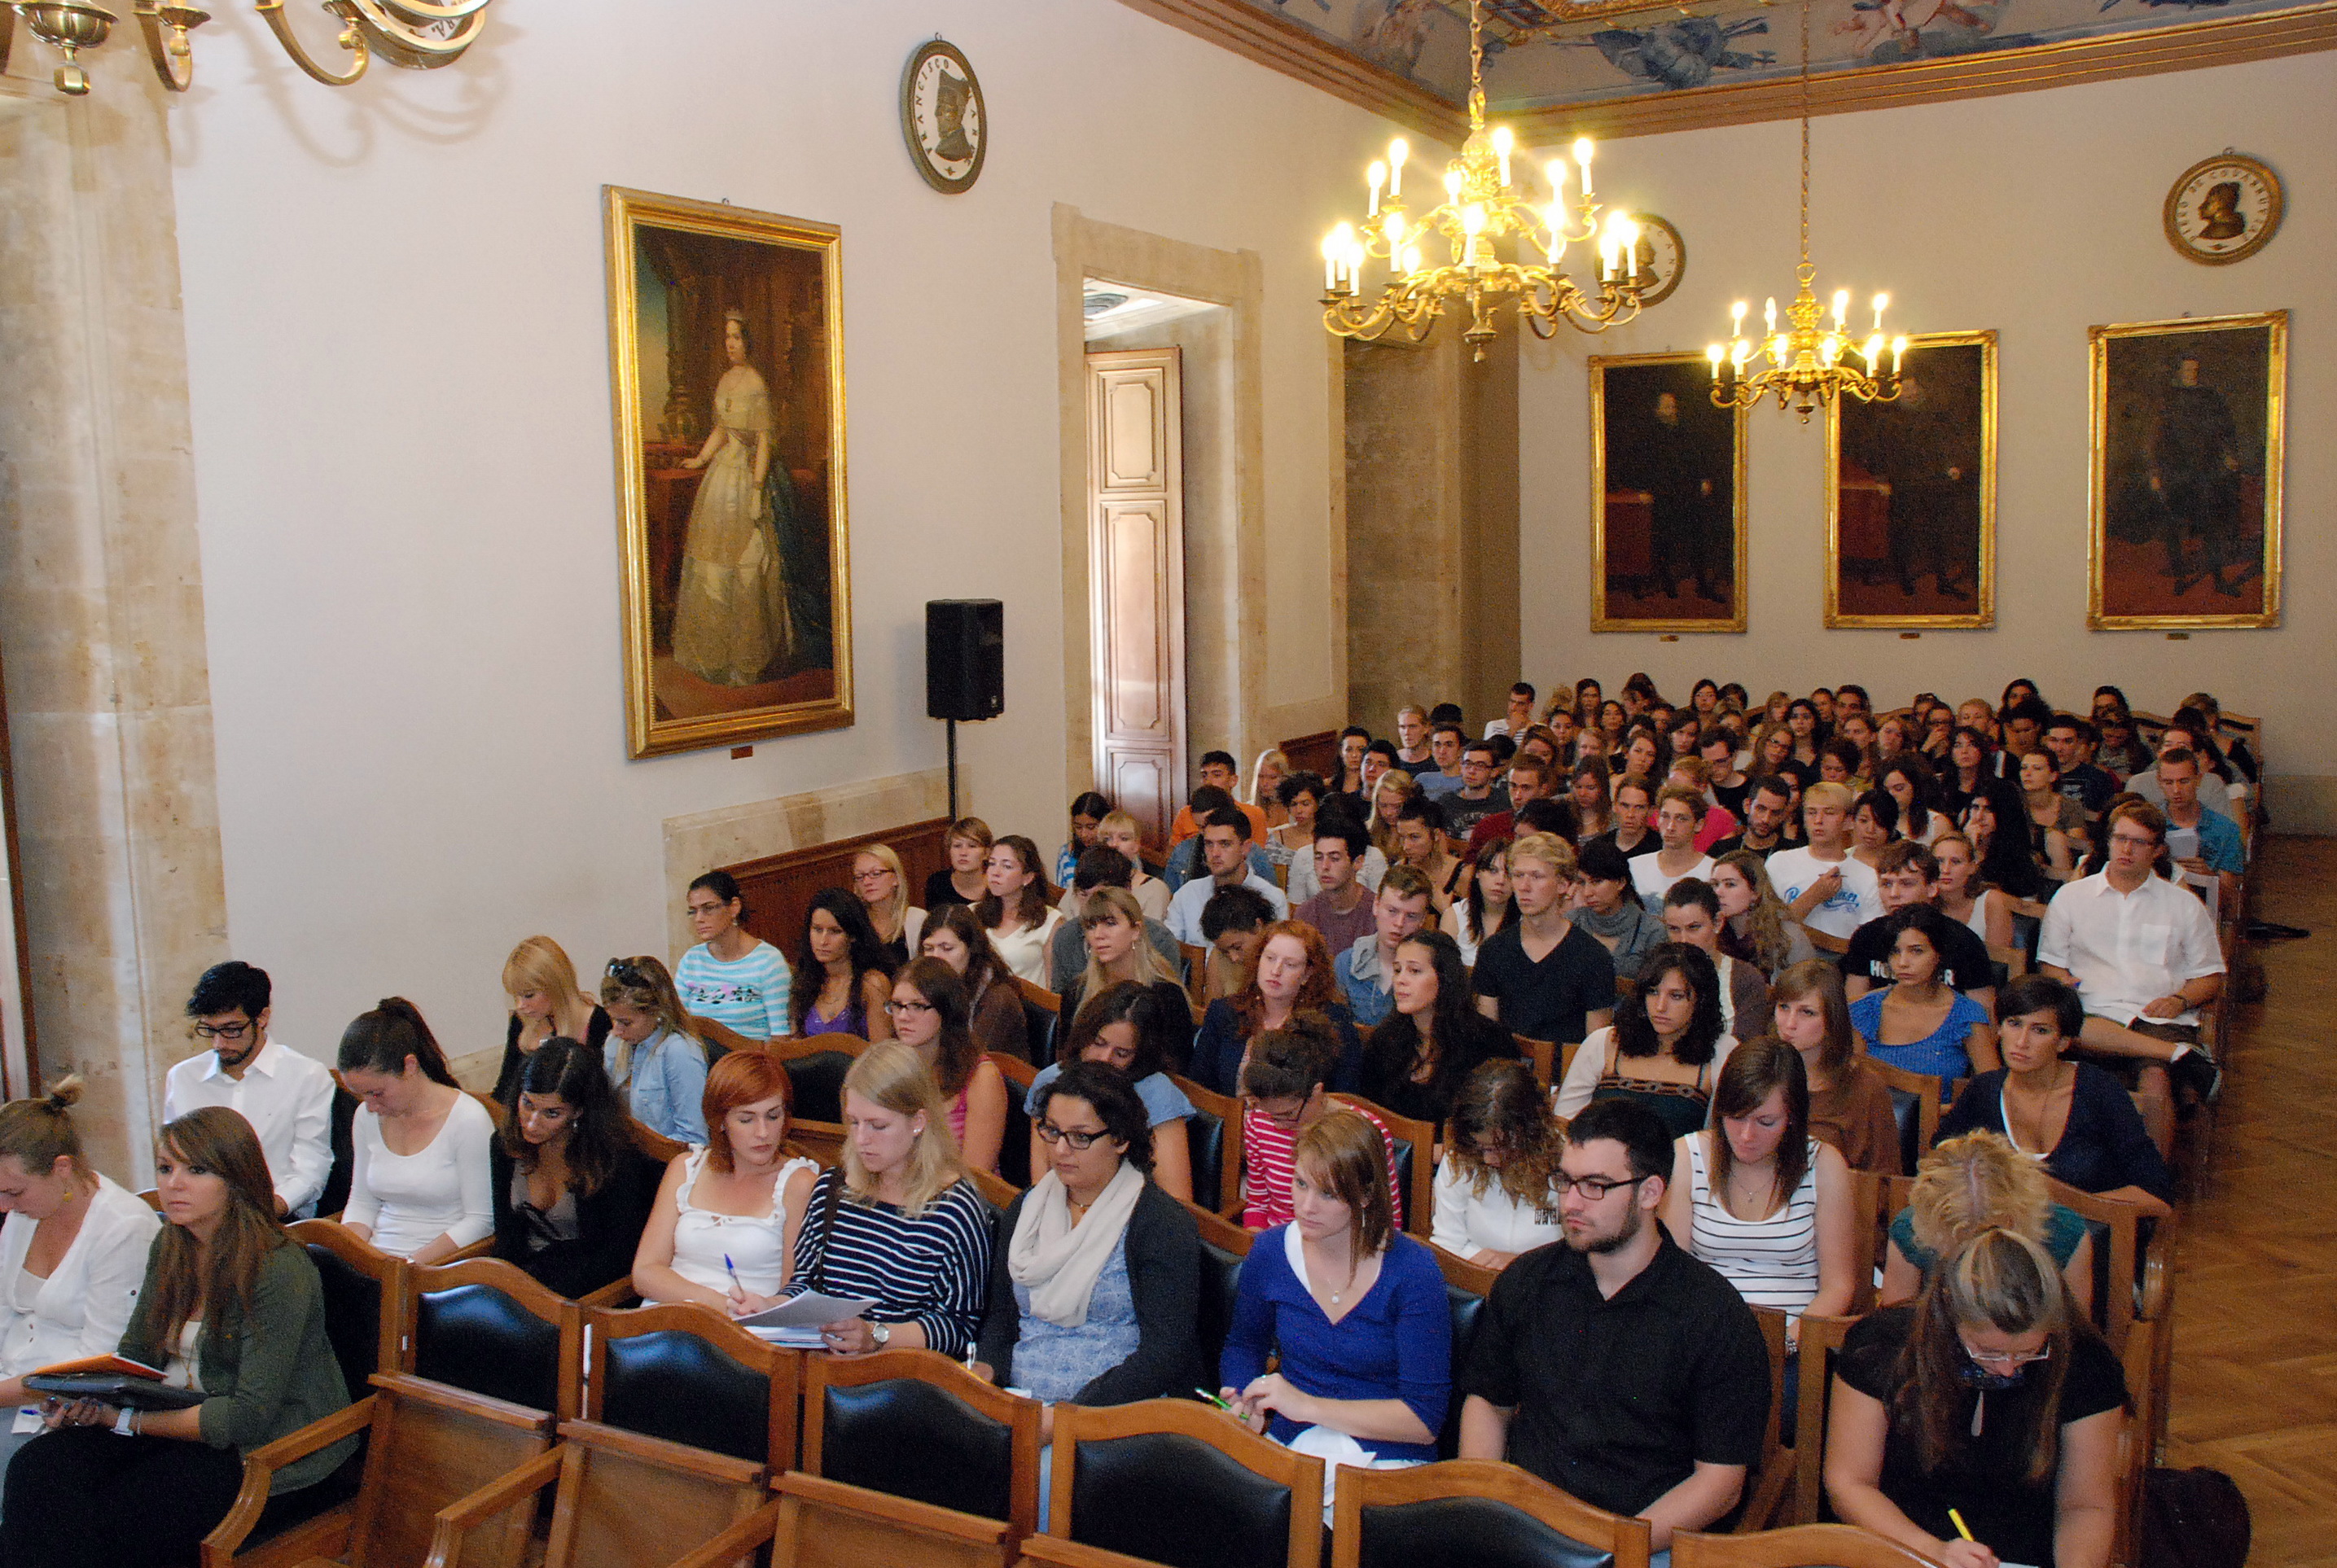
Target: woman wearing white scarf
x=1094, y=1297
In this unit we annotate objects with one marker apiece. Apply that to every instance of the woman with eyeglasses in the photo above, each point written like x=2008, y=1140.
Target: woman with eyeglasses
x=883, y=888
x=1094, y=1296
x=1494, y=1196
x=653, y=1056
x=569, y=1195
x=722, y=1231
x=545, y=1003
x=930, y=1015
x=1991, y=1402
x=1130, y=1028
x=841, y=977
x=732, y=976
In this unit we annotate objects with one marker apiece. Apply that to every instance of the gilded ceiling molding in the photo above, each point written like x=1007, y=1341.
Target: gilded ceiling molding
x=1301, y=52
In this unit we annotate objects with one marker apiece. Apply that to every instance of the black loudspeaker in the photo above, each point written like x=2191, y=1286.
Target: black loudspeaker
x=965, y=658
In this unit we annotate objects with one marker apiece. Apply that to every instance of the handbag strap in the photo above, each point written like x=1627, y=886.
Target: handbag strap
x=834, y=1201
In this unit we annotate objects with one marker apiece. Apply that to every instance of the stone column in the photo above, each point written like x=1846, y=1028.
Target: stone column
x=101, y=599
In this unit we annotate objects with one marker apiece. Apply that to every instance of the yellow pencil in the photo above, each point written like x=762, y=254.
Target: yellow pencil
x=1962, y=1529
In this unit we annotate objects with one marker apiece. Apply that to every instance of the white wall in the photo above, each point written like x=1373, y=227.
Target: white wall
x=397, y=329
x=2036, y=214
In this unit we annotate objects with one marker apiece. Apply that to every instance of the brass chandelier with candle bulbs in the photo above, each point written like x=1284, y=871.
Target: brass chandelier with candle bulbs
x=1481, y=211
x=418, y=35
x=1808, y=363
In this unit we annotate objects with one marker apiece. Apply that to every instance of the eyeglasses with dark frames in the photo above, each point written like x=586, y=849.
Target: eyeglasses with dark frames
x=1051, y=1134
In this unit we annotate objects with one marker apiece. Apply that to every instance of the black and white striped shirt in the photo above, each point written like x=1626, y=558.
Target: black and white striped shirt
x=933, y=1270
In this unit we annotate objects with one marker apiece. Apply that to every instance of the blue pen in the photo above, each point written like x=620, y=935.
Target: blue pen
x=731, y=1269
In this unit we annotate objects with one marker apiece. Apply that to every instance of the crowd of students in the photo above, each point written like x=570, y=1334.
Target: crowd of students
x=1731, y=915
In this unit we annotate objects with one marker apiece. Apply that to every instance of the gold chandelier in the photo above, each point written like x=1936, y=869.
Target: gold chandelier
x=1481, y=208
x=1808, y=368
x=418, y=35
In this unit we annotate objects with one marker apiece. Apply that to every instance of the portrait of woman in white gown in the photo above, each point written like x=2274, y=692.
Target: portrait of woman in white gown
x=730, y=619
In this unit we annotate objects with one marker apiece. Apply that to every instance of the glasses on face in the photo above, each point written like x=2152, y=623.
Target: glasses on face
x=1591, y=1187
x=875, y=874
x=2134, y=842
x=1051, y=1134
x=223, y=1031
x=897, y=1009
x=2006, y=1357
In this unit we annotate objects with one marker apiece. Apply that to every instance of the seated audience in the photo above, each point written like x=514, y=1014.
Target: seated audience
x=1843, y=762
x=1977, y=1181
x=1531, y=779
x=841, y=975
x=1218, y=771
x=1919, y=1023
x=2006, y=860
x=1593, y=801
x=2201, y=841
x=1607, y=907
x=1136, y=1030
x=1365, y=972
x=732, y=976
x=963, y=878
x=1285, y=1086
x=1095, y=1288
x=1387, y=800
x=288, y=1097
x=2143, y=955
x=1873, y=827
x=1440, y=775
x=1543, y=976
x=653, y=1056
x=1265, y=777
x=1478, y=795
x=1421, y=1054
x=1016, y=910
x=1105, y=866
x=1513, y=723
x=1908, y=877
x=2074, y=1118
x=1119, y=831
x=1342, y=911
x=1717, y=823
x=1293, y=974
x=545, y=1003
x=1665, y=1047
x=1632, y=835
x=1615, y=1367
x=1420, y=844
x=1964, y=898
x=721, y=1230
x=1716, y=748
x=1347, y=776
x=931, y=1015
x=1919, y=1452
x=1351, y=1311
x=570, y=1203
x=878, y=877
x=229, y=1306
x=1907, y=783
x=1233, y=928
x=1412, y=738
x=1486, y=907
x=1692, y=915
x=1225, y=849
x=1679, y=817
x=1112, y=926
x=1642, y=759
x=73, y=1250
x=418, y=1183
x=1300, y=798
x=1089, y=811
x=2056, y=824
x=897, y=1223
x=1768, y=813
x=1757, y=927
x=1850, y=1104
x=1496, y=1188
x=1761, y=1198
x=954, y=935
x=1828, y=890
x=2214, y=792
x=1305, y=883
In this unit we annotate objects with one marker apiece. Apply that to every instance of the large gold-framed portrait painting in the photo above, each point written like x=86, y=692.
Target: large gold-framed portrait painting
x=2189, y=449
x=726, y=351
x=1668, y=497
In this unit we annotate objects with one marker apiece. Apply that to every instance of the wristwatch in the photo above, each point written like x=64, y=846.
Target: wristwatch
x=125, y=1423
x=882, y=1333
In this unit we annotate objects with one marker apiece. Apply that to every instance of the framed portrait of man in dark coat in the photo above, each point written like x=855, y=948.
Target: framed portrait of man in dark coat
x=1668, y=497
x=2188, y=455
x=1911, y=497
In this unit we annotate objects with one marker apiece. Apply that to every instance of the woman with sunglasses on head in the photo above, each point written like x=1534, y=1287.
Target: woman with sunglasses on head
x=732, y=976
x=930, y=1014
x=545, y=1002
x=654, y=1058
x=841, y=977
x=1981, y=1425
x=722, y=1230
x=569, y=1195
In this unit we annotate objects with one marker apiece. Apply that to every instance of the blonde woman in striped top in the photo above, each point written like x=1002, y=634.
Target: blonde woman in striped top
x=1760, y=1200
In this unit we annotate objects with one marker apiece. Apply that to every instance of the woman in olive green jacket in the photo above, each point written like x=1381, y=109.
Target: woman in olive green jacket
x=231, y=1308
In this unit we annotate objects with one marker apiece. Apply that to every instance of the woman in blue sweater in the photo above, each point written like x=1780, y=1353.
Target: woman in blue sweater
x=1356, y=1309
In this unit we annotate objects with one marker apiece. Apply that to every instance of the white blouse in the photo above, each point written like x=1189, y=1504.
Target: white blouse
x=753, y=1244
x=85, y=1303
x=409, y=1201
x=1025, y=952
x=1469, y=1222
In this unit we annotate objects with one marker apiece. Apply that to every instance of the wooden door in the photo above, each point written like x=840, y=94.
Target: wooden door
x=1136, y=573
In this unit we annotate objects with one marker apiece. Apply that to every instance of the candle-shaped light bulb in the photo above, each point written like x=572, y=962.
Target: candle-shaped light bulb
x=1841, y=306
x=1398, y=150
x=1356, y=253
x=1556, y=169
x=1627, y=233
x=1880, y=301
x=1503, y=142
x=1452, y=184
x=1873, y=352
x=1556, y=218
x=1769, y=313
x=1737, y=319
x=1378, y=177
x=1331, y=262
x=1395, y=231
x=1898, y=352
x=1714, y=355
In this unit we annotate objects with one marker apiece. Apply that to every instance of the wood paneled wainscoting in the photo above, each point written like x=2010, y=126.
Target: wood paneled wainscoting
x=778, y=888
x=1317, y=753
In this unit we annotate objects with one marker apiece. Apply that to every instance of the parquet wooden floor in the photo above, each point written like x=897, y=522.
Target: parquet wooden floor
x=2254, y=1390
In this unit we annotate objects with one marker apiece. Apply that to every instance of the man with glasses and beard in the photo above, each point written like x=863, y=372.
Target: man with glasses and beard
x=1613, y=1365
x=285, y=1096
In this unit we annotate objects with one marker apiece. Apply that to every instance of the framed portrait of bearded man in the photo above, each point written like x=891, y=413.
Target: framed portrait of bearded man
x=1666, y=497
x=2188, y=452
x=1911, y=493
x=726, y=347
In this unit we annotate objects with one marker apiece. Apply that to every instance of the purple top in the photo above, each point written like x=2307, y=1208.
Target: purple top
x=852, y=1020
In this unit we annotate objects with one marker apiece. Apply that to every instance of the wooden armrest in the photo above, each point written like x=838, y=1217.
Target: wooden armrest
x=1764, y=1492
x=484, y=1247
x=453, y=1523
x=733, y=1544
x=260, y=1465
x=615, y=1293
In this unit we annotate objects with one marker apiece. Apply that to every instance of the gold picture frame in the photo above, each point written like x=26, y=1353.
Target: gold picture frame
x=1911, y=493
x=726, y=347
x=2187, y=424
x=1659, y=537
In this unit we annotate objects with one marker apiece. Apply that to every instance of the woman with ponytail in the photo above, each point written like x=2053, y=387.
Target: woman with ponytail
x=420, y=1188
x=231, y=1309
x=71, y=1252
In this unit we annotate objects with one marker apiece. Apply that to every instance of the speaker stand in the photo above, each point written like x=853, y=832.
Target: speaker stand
x=952, y=725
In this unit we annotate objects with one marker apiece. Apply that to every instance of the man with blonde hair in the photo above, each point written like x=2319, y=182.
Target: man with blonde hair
x=1832, y=892
x=1540, y=974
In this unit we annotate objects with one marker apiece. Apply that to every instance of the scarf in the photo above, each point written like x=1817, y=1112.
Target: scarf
x=1058, y=1262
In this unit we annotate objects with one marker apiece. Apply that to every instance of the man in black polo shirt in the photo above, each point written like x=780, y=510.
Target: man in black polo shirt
x=1768, y=808
x=1613, y=1365
x=1909, y=875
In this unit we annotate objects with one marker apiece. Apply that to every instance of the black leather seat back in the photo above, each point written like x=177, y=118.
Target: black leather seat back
x=677, y=1386
x=1220, y=1286
x=817, y=1085
x=1904, y=1106
x=1205, y=1143
x=1476, y=1531
x=1039, y=1028
x=1466, y=1308
x=911, y=1439
x=352, y=1318
x=1171, y=1499
x=1015, y=1154
x=475, y=1337
x=1402, y=1147
x=2099, y=1230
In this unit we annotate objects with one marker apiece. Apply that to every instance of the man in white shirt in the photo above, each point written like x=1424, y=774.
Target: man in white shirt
x=1678, y=818
x=1521, y=714
x=1832, y=892
x=1225, y=849
x=2142, y=953
x=285, y=1096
